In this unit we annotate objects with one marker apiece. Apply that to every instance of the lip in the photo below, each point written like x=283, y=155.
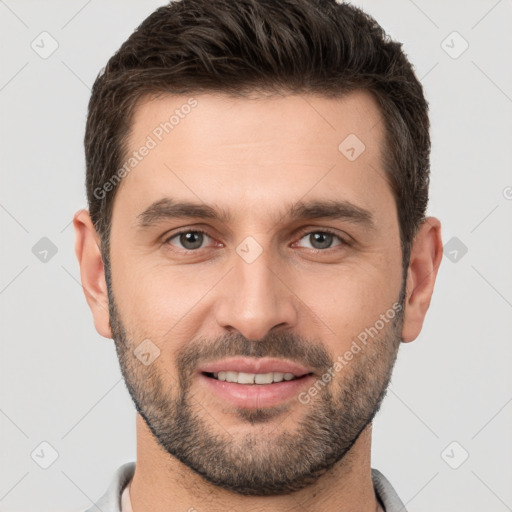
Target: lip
x=250, y=396
x=255, y=365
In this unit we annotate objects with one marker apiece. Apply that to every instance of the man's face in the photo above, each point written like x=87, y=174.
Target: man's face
x=276, y=283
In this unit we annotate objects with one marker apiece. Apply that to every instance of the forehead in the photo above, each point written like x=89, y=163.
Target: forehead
x=305, y=119
x=244, y=152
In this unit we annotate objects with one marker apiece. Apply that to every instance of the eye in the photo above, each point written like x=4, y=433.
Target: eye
x=320, y=240
x=193, y=239
x=190, y=240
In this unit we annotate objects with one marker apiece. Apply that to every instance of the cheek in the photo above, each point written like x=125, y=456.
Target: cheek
x=345, y=302
x=159, y=301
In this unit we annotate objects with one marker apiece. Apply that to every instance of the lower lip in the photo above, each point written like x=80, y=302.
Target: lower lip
x=256, y=395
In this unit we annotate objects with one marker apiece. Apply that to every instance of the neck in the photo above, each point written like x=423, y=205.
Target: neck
x=161, y=483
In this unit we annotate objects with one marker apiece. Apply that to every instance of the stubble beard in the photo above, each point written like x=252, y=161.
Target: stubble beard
x=267, y=460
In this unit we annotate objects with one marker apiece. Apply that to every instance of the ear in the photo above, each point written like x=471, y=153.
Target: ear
x=426, y=255
x=92, y=271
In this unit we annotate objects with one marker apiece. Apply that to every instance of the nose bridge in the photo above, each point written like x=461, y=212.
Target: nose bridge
x=256, y=300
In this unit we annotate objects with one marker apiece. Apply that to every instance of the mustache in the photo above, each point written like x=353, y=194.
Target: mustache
x=282, y=345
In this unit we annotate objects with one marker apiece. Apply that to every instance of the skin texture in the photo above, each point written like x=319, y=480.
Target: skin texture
x=253, y=158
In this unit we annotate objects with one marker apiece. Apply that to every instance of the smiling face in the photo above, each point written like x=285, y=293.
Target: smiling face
x=257, y=236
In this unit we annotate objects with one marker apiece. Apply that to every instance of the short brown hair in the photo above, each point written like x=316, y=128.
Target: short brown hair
x=234, y=47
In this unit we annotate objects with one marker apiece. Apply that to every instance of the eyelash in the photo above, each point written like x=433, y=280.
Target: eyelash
x=302, y=234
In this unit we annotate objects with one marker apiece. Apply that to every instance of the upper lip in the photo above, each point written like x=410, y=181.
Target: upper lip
x=255, y=365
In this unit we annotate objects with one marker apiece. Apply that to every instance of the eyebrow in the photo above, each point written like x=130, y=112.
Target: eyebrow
x=168, y=208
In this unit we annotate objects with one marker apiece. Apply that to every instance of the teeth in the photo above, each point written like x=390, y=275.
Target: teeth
x=246, y=378
x=231, y=376
x=264, y=378
x=253, y=378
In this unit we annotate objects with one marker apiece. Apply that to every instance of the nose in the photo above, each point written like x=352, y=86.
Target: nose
x=255, y=298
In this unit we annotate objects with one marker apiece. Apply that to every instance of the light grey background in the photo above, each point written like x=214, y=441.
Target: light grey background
x=60, y=381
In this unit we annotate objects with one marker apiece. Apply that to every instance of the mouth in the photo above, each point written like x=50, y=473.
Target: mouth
x=255, y=382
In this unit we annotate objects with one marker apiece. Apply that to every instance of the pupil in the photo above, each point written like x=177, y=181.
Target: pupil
x=324, y=240
x=187, y=239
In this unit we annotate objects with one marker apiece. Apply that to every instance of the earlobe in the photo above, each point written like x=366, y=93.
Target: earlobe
x=426, y=255
x=92, y=272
